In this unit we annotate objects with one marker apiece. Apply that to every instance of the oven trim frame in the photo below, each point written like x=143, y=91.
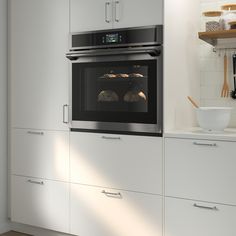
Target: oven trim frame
x=142, y=128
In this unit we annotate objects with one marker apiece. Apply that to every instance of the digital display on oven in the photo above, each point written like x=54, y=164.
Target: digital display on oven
x=112, y=38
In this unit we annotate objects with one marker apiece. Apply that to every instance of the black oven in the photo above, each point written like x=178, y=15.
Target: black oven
x=117, y=81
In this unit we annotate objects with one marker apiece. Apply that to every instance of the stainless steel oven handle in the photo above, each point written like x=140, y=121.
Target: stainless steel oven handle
x=75, y=56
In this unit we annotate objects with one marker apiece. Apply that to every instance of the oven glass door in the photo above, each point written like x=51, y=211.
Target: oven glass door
x=124, y=89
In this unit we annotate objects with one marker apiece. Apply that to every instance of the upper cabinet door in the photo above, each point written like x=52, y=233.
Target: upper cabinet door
x=89, y=15
x=38, y=41
x=133, y=13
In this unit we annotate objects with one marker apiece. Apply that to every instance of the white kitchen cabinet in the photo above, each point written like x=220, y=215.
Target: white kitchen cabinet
x=117, y=161
x=38, y=68
x=133, y=13
x=40, y=203
x=42, y=154
x=109, y=212
x=200, y=169
x=89, y=15
x=184, y=218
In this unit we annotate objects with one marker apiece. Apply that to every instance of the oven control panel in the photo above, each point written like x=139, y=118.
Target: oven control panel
x=112, y=38
x=118, y=37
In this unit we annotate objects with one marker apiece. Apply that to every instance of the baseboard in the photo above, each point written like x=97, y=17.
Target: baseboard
x=4, y=227
x=34, y=230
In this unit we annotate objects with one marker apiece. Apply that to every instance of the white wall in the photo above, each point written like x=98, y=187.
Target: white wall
x=181, y=63
x=212, y=67
x=3, y=116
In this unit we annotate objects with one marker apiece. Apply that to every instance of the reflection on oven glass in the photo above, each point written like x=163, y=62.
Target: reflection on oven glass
x=122, y=75
x=108, y=96
x=136, y=75
x=116, y=88
x=135, y=96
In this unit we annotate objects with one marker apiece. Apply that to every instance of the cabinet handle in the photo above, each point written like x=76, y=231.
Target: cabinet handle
x=36, y=182
x=117, y=3
x=205, y=144
x=111, y=138
x=35, y=132
x=65, y=114
x=107, y=4
x=109, y=194
x=206, y=207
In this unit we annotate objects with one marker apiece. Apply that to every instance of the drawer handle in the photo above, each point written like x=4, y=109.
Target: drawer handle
x=109, y=194
x=36, y=182
x=35, y=133
x=206, y=207
x=205, y=144
x=111, y=138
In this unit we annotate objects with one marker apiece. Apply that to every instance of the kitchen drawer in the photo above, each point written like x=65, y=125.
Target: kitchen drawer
x=184, y=218
x=40, y=203
x=201, y=170
x=120, y=213
x=42, y=154
x=117, y=161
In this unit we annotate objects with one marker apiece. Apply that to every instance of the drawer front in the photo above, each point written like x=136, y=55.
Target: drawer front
x=41, y=154
x=106, y=212
x=40, y=203
x=184, y=218
x=123, y=162
x=200, y=169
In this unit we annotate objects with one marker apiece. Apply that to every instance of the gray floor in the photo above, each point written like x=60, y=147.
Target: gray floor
x=13, y=233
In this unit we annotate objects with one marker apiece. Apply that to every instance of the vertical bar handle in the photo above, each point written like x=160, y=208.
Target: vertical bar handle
x=117, y=18
x=65, y=114
x=107, y=4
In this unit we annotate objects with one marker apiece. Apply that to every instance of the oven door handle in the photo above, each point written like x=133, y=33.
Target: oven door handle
x=73, y=56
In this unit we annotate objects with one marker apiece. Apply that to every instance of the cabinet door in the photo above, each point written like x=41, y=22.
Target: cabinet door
x=117, y=161
x=184, y=218
x=123, y=214
x=200, y=169
x=40, y=203
x=86, y=15
x=38, y=42
x=42, y=154
x=133, y=13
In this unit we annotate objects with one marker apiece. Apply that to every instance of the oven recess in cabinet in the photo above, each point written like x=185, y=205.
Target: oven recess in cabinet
x=116, y=81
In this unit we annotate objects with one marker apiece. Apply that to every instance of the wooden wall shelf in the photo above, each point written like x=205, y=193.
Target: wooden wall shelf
x=212, y=37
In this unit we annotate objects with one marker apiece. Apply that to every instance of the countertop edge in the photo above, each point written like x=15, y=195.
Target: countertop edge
x=197, y=133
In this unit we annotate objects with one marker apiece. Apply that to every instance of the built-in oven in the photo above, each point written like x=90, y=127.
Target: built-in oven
x=117, y=81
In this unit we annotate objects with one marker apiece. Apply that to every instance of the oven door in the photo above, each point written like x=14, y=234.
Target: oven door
x=117, y=90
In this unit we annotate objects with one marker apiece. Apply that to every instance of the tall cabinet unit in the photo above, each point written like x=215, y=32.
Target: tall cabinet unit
x=38, y=74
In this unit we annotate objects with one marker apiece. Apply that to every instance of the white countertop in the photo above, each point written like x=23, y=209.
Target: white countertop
x=197, y=133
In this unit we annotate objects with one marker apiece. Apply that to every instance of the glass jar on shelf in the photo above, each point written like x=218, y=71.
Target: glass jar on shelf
x=213, y=20
x=228, y=16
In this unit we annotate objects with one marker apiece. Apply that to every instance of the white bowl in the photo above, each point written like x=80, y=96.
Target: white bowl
x=213, y=119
